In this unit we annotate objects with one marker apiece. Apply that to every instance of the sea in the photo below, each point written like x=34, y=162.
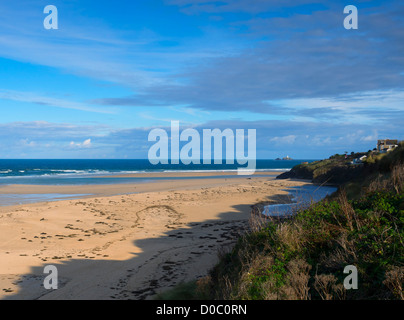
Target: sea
x=83, y=172
x=59, y=172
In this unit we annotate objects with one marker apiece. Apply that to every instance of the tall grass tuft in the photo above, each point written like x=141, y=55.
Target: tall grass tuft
x=303, y=257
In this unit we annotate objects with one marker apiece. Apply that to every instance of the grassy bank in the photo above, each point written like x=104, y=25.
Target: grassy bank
x=339, y=170
x=304, y=257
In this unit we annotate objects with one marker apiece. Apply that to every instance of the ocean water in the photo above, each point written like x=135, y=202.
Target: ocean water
x=82, y=172
x=96, y=172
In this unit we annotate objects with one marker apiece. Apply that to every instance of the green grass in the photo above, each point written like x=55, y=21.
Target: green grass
x=322, y=240
x=339, y=171
x=304, y=257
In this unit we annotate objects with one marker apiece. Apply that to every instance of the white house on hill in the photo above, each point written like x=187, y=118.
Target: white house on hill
x=386, y=145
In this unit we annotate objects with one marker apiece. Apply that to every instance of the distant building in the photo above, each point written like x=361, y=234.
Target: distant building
x=386, y=145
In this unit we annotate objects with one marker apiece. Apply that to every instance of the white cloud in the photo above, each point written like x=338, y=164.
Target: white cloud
x=87, y=143
x=370, y=138
x=84, y=144
x=284, y=140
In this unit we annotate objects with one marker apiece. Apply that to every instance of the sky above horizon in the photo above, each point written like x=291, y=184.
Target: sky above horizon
x=113, y=71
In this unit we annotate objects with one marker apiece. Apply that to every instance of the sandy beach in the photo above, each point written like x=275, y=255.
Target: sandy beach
x=126, y=241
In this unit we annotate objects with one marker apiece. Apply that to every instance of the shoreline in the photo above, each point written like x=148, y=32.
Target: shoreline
x=126, y=246
x=84, y=191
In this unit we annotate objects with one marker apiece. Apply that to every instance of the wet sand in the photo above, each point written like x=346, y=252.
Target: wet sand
x=126, y=241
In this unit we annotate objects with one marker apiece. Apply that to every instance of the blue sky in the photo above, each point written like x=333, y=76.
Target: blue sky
x=95, y=87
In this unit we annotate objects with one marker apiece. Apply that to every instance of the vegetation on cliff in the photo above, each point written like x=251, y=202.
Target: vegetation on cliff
x=303, y=257
x=339, y=169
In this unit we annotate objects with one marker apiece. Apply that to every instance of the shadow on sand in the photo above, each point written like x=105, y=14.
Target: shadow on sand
x=184, y=252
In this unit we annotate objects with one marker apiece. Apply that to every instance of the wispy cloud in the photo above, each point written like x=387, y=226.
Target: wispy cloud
x=302, y=139
x=50, y=101
x=362, y=107
x=290, y=139
x=207, y=62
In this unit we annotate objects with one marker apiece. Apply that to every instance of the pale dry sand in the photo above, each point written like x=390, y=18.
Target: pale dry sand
x=129, y=246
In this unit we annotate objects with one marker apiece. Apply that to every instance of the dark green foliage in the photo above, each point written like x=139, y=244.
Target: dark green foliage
x=339, y=171
x=304, y=257
x=367, y=233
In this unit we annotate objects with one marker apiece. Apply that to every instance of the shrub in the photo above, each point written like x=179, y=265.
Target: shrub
x=304, y=257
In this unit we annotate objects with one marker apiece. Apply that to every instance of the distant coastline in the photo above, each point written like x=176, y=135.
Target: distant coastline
x=48, y=189
x=60, y=172
x=32, y=181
